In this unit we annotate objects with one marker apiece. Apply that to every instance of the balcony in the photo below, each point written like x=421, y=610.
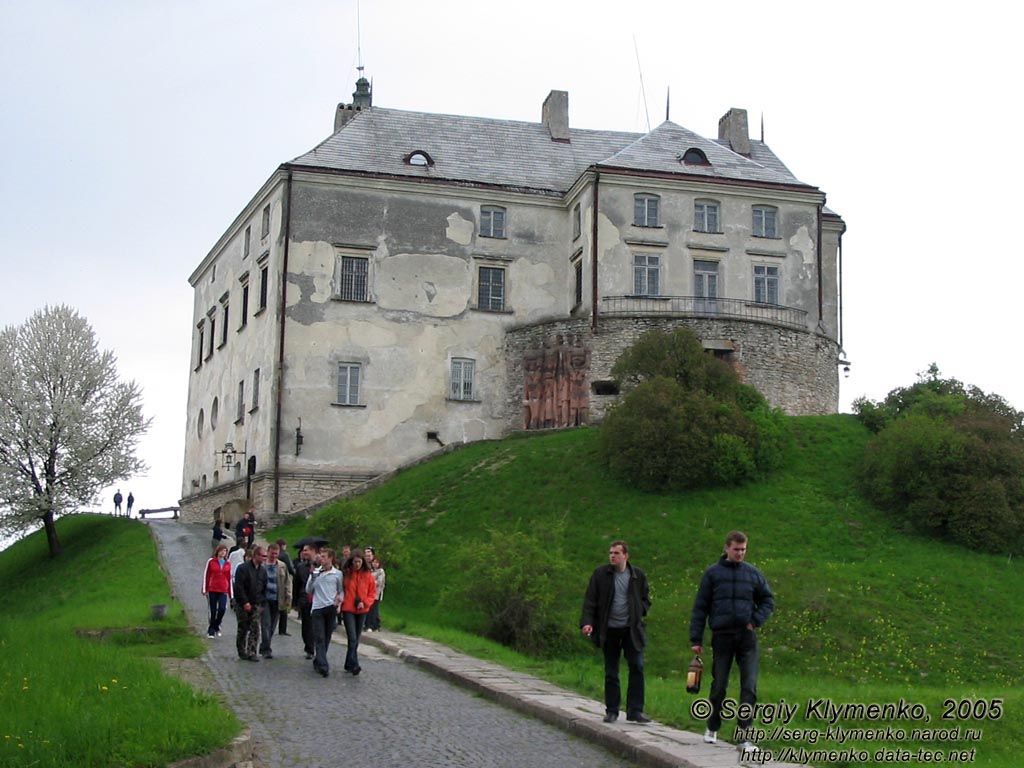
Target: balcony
x=700, y=306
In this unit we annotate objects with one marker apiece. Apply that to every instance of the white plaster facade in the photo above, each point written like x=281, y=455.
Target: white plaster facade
x=420, y=303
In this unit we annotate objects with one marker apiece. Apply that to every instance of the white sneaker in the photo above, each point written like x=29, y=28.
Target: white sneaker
x=218, y=633
x=748, y=747
x=710, y=737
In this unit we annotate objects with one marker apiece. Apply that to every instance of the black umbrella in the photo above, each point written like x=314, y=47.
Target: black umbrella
x=313, y=541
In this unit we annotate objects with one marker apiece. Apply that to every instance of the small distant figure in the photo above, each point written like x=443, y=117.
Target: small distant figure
x=219, y=535
x=117, y=503
x=131, y=500
x=245, y=530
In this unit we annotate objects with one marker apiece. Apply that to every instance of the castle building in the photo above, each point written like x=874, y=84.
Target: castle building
x=418, y=280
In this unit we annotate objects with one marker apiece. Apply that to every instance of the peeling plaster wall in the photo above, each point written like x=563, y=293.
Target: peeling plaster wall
x=735, y=249
x=424, y=254
x=248, y=346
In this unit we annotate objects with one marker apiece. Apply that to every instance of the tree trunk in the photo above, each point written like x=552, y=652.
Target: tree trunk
x=51, y=535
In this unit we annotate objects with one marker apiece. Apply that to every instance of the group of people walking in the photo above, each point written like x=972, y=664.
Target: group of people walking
x=262, y=584
x=733, y=599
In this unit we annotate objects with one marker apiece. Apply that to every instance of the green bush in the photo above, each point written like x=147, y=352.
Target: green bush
x=686, y=420
x=360, y=522
x=514, y=585
x=949, y=460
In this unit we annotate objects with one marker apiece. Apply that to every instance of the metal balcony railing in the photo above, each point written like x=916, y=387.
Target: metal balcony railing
x=700, y=306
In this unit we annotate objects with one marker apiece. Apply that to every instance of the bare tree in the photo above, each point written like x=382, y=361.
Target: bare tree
x=68, y=426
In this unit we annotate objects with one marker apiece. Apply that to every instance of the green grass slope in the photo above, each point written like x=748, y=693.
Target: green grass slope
x=865, y=611
x=70, y=698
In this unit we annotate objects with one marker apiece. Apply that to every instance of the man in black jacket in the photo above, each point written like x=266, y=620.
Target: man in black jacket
x=301, y=601
x=734, y=599
x=614, y=607
x=250, y=599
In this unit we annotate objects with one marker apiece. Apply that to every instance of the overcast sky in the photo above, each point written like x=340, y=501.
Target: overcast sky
x=133, y=132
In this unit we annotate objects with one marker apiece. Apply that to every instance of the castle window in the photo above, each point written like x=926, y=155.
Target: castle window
x=247, y=242
x=265, y=227
x=223, y=321
x=492, y=221
x=264, y=283
x=214, y=412
x=577, y=268
x=694, y=156
x=764, y=221
x=491, y=289
x=463, y=371
x=348, y=383
x=240, y=411
x=255, y=390
x=705, y=285
x=645, y=210
x=211, y=319
x=646, y=273
x=706, y=216
x=420, y=158
x=200, y=423
x=766, y=284
x=576, y=221
x=244, y=280
x=352, y=278
x=201, y=336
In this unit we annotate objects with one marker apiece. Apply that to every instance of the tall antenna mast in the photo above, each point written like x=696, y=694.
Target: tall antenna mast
x=643, y=92
x=359, y=42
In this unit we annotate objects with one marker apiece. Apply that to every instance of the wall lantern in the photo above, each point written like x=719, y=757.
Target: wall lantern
x=229, y=455
x=298, y=438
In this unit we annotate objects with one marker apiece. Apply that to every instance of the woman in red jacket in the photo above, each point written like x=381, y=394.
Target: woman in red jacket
x=217, y=588
x=360, y=594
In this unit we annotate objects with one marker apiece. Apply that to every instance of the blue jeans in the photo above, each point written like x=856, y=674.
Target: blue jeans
x=618, y=642
x=218, y=606
x=324, y=621
x=741, y=646
x=353, y=629
x=268, y=625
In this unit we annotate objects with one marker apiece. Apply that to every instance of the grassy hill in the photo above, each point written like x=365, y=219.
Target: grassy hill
x=865, y=611
x=80, y=681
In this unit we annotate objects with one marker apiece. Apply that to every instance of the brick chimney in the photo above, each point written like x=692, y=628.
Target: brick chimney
x=555, y=115
x=732, y=127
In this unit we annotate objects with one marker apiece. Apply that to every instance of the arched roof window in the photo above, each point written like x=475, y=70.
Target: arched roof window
x=694, y=156
x=420, y=157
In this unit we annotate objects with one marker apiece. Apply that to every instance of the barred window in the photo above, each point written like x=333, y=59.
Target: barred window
x=491, y=294
x=352, y=279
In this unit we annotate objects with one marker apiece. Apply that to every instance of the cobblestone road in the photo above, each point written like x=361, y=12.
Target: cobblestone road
x=392, y=715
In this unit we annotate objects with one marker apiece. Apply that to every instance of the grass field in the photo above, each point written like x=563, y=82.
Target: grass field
x=80, y=684
x=865, y=611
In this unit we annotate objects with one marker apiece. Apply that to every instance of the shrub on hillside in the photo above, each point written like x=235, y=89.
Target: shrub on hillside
x=361, y=523
x=513, y=586
x=949, y=460
x=687, y=420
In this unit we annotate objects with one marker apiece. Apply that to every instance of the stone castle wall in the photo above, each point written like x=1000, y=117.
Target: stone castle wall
x=795, y=370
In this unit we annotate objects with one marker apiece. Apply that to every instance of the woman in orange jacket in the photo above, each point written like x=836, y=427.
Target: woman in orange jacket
x=360, y=594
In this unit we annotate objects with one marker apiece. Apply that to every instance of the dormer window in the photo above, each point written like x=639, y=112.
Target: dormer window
x=420, y=158
x=694, y=156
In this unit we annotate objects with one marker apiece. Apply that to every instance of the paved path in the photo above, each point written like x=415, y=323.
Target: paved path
x=398, y=713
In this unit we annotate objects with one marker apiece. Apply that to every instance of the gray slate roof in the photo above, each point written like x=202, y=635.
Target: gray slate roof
x=522, y=155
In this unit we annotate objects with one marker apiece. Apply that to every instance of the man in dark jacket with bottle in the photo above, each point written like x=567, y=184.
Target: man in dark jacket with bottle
x=734, y=600
x=250, y=590
x=614, y=607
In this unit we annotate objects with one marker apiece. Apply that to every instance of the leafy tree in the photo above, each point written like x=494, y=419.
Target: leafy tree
x=948, y=459
x=68, y=426
x=686, y=419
